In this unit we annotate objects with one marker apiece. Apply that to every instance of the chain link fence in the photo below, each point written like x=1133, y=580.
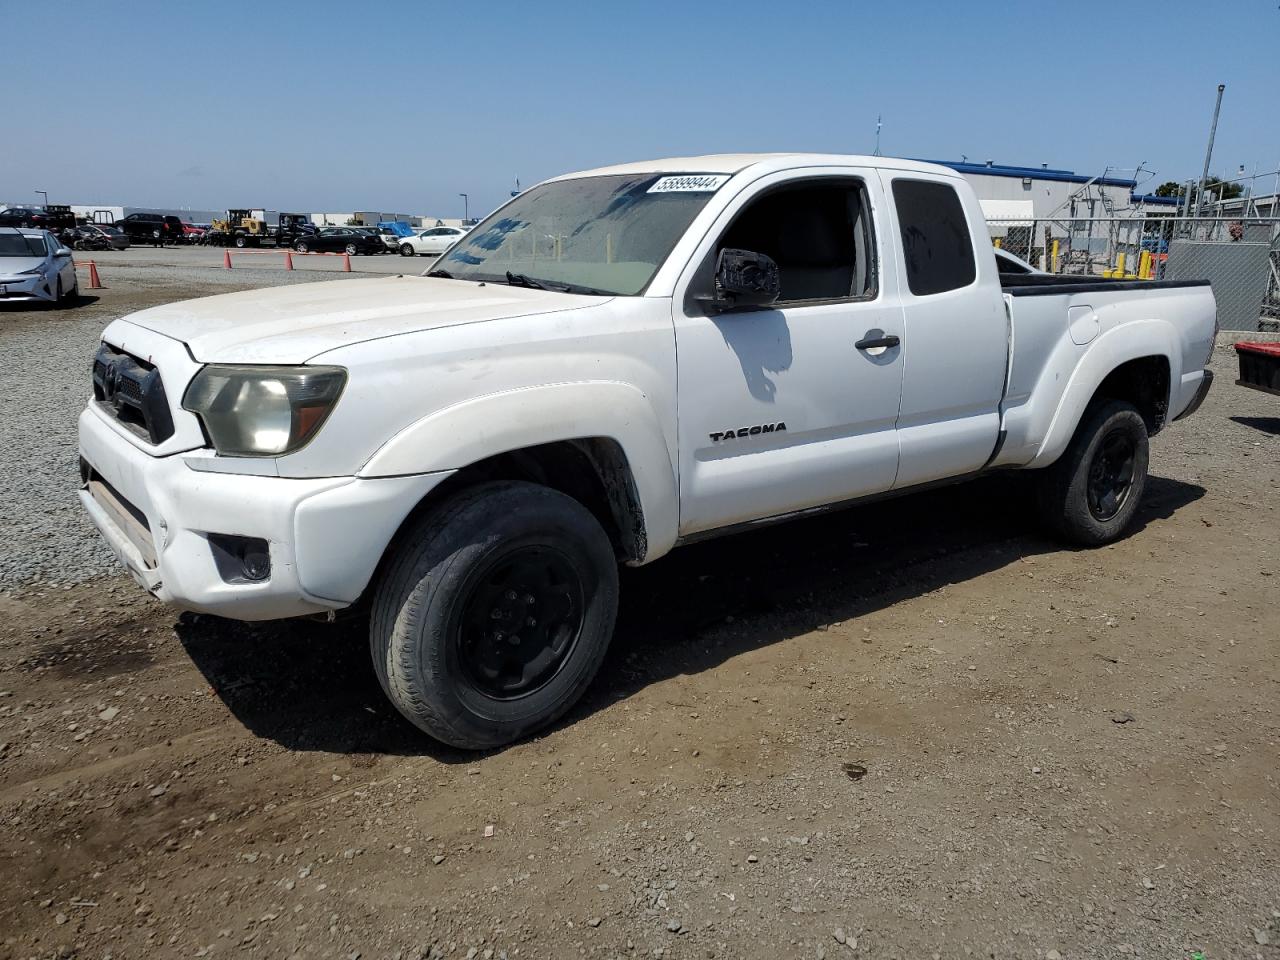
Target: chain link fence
x=1240, y=257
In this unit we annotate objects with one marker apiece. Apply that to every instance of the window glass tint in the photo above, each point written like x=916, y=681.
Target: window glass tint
x=818, y=234
x=935, y=237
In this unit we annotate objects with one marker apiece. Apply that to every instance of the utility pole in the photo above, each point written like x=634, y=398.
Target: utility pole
x=878, y=125
x=466, y=210
x=43, y=194
x=1208, y=154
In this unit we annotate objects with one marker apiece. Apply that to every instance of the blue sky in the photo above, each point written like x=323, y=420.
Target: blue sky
x=402, y=106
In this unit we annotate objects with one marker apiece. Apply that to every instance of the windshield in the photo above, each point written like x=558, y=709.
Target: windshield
x=20, y=245
x=591, y=234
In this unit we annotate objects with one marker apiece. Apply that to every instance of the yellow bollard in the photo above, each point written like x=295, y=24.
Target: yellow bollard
x=1119, y=271
x=996, y=243
x=1055, y=257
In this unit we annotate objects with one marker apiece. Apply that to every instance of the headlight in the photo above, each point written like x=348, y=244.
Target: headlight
x=258, y=411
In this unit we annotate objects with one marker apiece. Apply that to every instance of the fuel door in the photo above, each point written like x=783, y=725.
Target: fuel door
x=1082, y=321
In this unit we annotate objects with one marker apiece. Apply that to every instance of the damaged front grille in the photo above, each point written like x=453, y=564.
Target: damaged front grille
x=131, y=391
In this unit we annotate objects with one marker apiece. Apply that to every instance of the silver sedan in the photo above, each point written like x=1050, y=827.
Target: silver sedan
x=34, y=265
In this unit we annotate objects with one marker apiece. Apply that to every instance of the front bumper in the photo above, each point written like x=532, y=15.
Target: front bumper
x=27, y=287
x=325, y=535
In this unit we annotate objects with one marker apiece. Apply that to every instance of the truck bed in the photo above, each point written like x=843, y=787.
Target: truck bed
x=1176, y=313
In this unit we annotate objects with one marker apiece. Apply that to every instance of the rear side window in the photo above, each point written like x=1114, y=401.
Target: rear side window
x=935, y=237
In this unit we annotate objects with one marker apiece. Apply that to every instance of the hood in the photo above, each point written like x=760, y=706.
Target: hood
x=294, y=323
x=12, y=266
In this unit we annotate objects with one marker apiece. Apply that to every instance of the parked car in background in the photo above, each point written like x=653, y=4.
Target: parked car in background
x=34, y=265
x=431, y=242
x=152, y=228
x=384, y=237
x=340, y=240
x=93, y=236
x=192, y=232
x=1007, y=263
x=24, y=217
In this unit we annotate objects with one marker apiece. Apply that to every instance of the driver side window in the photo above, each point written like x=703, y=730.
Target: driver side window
x=819, y=234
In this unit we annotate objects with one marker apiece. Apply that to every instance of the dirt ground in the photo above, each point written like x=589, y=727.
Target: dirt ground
x=1066, y=754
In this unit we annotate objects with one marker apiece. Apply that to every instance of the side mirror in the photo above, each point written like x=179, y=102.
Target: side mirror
x=744, y=279
x=63, y=252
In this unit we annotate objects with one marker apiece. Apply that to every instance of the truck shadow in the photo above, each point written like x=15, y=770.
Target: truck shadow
x=310, y=686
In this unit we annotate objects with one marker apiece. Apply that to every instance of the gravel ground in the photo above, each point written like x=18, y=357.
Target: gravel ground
x=911, y=730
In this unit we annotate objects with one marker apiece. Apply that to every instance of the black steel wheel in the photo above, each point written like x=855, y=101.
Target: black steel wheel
x=1111, y=474
x=519, y=621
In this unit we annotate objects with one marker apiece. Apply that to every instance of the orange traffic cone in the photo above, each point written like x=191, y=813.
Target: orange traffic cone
x=95, y=283
x=346, y=263
x=226, y=259
x=288, y=259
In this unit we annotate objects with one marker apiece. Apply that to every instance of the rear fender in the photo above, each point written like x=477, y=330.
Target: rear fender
x=465, y=433
x=1120, y=344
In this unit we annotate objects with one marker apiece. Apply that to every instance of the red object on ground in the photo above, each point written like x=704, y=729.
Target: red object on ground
x=226, y=259
x=1249, y=346
x=1259, y=366
x=94, y=282
x=346, y=263
x=288, y=259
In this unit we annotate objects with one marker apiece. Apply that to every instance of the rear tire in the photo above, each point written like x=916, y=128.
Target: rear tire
x=494, y=613
x=352, y=249
x=241, y=242
x=1089, y=497
x=301, y=246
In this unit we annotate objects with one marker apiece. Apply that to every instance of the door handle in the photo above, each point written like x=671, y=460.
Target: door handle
x=870, y=343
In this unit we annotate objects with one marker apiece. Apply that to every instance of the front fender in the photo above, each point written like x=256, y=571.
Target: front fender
x=1120, y=344
x=456, y=436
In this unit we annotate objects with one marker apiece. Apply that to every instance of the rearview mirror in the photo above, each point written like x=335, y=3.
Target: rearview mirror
x=744, y=279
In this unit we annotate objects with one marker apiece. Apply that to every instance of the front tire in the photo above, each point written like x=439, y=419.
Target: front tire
x=301, y=246
x=494, y=613
x=1089, y=497
x=406, y=250
x=352, y=249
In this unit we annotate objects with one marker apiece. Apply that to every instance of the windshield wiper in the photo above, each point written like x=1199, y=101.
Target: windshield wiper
x=442, y=274
x=524, y=280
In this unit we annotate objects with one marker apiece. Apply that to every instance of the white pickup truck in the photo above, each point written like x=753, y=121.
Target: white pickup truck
x=612, y=364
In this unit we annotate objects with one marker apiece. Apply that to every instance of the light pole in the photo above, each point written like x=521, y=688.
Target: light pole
x=466, y=212
x=45, y=195
x=1208, y=154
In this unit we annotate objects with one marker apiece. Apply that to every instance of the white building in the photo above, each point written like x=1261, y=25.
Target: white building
x=1042, y=193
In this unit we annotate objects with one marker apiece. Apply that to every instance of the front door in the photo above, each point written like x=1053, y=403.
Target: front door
x=781, y=409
